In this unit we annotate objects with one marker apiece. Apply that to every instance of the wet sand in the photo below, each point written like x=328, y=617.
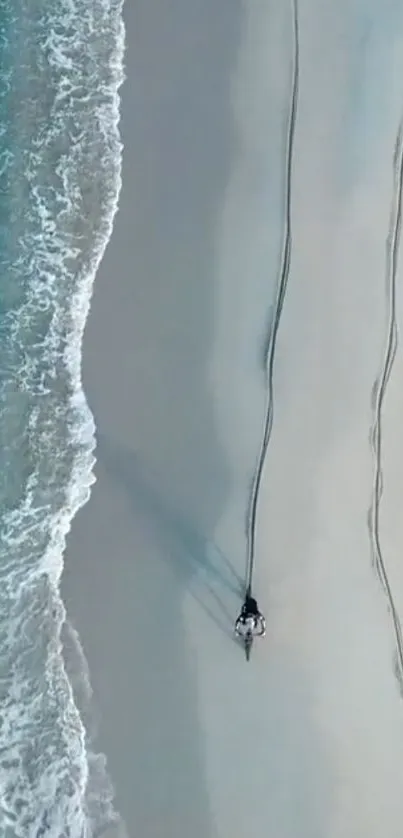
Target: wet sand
x=306, y=739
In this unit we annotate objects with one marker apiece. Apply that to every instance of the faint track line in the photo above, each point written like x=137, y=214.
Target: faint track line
x=279, y=302
x=392, y=252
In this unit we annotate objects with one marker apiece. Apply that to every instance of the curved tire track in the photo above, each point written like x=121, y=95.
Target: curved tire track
x=379, y=391
x=279, y=302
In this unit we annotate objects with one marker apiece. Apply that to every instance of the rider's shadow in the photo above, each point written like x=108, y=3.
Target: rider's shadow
x=193, y=557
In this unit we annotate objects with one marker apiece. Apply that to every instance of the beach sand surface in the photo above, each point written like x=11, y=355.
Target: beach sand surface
x=305, y=741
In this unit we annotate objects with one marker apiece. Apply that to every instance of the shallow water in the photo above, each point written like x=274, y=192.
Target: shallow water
x=59, y=186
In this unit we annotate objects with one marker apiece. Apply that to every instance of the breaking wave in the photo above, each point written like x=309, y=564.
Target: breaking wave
x=60, y=178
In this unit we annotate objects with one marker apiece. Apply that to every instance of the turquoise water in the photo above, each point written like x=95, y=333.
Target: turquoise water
x=60, y=158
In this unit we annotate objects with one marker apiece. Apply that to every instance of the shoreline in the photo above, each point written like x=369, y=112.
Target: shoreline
x=136, y=546
x=172, y=368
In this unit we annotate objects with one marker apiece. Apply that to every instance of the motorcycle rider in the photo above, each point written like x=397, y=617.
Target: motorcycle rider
x=250, y=619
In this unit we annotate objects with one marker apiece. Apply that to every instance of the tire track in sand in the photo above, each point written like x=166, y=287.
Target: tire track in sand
x=278, y=306
x=379, y=391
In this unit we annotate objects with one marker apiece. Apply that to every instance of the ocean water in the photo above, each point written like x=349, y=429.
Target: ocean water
x=61, y=64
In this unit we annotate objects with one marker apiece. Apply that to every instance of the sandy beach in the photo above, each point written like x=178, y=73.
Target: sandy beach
x=305, y=741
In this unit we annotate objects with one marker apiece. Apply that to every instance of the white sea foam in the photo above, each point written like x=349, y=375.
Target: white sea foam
x=50, y=781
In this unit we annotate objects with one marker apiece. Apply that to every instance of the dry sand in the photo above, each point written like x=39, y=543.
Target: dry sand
x=307, y=740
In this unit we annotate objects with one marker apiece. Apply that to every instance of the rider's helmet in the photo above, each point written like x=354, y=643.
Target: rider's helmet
x=250, y=606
